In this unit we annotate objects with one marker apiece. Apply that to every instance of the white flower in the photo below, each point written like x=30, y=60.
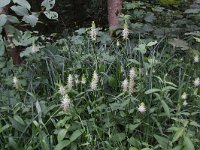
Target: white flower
x=16, y=82
x=132, y=74
x=62, y=90
x=196, y=59
x=196, y=82
x=93, y=32
x=76, y=79
x=34, y=49
x=142, y=108
x=184, y=96
x=125, y=85
x=65, y=102
x=118, y=43
x=83, y=80
x=69, y=82
x=94, y=82
x=131, y=86
x=125, y=32
x=185, y=103
x=131, y=80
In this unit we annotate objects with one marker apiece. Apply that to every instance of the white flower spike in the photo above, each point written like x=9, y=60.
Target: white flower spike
x=15, y=82
x=125, y=85
x=196, y=82
x=196, y=59
x=69, y=82
x=142, y=108
x=62, y=90
x=185, y=103
x=184, y=96
x=125, y=32
x=65, y=102
x=93, y=32
x=95, y=80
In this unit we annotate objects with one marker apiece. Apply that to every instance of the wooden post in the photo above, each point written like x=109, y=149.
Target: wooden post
x=114, y=11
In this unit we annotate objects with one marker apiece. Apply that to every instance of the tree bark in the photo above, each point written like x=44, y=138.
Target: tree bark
x=15, y=51
x=114, y=11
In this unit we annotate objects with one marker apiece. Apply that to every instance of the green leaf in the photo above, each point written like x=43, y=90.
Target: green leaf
x=38, y=107
x=134, y=61
x=188, y=143
x=164, y=142
x=150, y=17
x=133, y=148
x=178, y=134
x=134, y=142
x=197, y=39
x=2, y=62
x=19, y=10
x=19, y=119
x=178, y=147
x=2, y=46
x=26, y=52
x=4, y=3
x=12, y=143
x=118, y=137
x=141, y=48
x=39, y=110
x=152, y=43
x=23, y=3
x=12, y=19
x=17, y=125
x=132, y=127
x=61, y=134
x=51, y=14
x=3, y=20
x=179, y=43
x=195, y=124
x=150, y=91
x=4, y=128
x=62, y=145
x=75, y=135
x=30, y=19
x=166, y=108
x=112, y=82
x=48, y=4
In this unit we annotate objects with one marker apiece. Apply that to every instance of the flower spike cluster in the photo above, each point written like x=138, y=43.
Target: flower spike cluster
x=95, y=80
x=93, y=32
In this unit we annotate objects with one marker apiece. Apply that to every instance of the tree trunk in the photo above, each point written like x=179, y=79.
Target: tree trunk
x=114, y=10
x=14, y=51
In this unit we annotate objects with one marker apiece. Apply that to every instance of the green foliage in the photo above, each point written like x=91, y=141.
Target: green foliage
x=152, y=113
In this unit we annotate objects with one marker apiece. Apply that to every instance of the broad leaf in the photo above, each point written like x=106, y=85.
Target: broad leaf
x=2, y=47
x=150, y=91
x=164, y=142
x=179, y=43
x=23, y=3
x=30, y=19
x=61, y=134
x=166, y=108
x=3, y=20
x=152, y=43
x=12, y=19
x=48, y=4
x=4, y=3
x=188, y=143
x=19, y=10
x=4, y=127
x=51, y=14
x=62, y=145
x=178, y=134
x=75, y=135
